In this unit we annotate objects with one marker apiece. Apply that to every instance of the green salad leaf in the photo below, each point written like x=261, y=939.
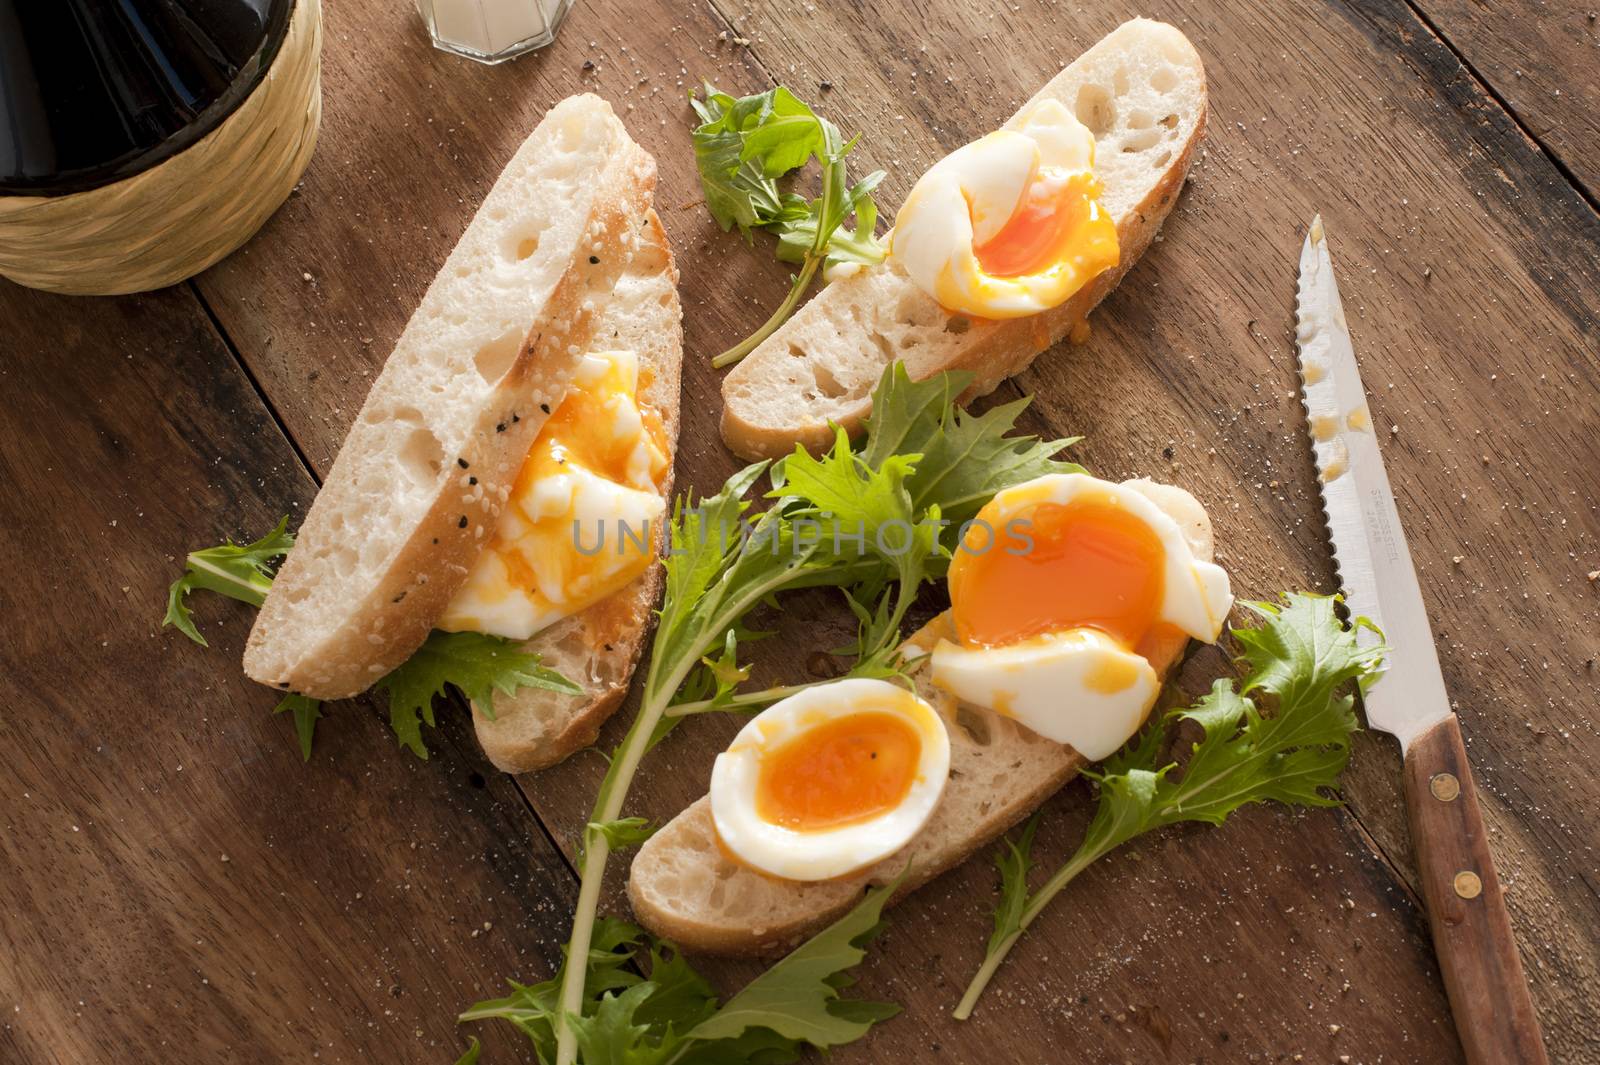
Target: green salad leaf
x=742, y=146
x=1014, y=859
x=671, y=1015
x=238, y=571
x=474, y=664
x=306, y=711
x=1280, y=734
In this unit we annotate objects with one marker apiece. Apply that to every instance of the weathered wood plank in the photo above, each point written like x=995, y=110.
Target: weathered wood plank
x=1543, y=59
x=177, y=883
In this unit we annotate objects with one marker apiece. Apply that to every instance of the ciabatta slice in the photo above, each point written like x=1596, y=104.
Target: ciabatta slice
x=599, y=647
x=417, y=486
x=1142, y=92
x=685, y=887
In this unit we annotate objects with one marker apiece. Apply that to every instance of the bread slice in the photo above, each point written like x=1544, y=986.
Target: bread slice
x=1142, y=92
x=686, y=888
x=599, y=647
x=417, y=487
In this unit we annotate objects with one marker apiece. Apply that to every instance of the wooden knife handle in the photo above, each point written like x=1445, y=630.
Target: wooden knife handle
x=1471, y=930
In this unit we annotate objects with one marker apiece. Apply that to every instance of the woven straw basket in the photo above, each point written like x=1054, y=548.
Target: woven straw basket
x=175, y=219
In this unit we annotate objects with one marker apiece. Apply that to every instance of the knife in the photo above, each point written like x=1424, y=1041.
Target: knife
x=1472, y=937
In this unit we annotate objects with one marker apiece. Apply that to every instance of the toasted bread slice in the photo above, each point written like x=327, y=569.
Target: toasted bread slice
x=686, y=888
x=418, y=485
x=599, y=647
x=1142, y=92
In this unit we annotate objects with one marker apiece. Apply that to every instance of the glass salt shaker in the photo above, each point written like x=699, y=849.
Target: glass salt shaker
x=492, y=31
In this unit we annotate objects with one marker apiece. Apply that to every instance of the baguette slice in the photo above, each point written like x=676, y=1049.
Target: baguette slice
x=417, y=487
x=599, y=647
x=1142, y=92
x=685, y=887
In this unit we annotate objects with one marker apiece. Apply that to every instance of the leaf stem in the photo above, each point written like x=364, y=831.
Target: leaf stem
x=251, y=588
x=741, y=700
x=659, y=690
x=802, y=281
x=1036, y=904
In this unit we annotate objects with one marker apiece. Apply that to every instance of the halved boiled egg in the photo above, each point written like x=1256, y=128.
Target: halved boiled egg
x=1062, y=591
x=1011, y=224
x=830, y=780
x=581, y=519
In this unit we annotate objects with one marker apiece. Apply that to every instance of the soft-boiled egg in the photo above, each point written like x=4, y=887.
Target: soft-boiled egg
x=581, y=518
x=830, y=780
x=1011, y=224
x=1061, y=592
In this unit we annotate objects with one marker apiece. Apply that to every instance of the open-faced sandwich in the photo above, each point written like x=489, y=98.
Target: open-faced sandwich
x=1071, y=598
x=1000, y=251
x=510, y=466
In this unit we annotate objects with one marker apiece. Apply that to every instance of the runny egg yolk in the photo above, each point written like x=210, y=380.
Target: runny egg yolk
x=579, y=433
x=1058, y=221
x=839, y=772
x=581, y=517
x=1090, y=564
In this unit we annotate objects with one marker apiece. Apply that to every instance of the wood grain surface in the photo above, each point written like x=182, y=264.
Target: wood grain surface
x=1468, y=265
x=1543, y=60
x=174, y=883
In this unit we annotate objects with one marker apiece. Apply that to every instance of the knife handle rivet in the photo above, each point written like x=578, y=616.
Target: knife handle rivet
x=1444, y=786
x=1467, y=884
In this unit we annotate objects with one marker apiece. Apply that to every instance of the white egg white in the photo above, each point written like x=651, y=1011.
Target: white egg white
x=1077, y=687
x=822, y=855
x=967, y=197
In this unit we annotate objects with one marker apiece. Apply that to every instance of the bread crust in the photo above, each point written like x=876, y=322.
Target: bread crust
x=535, y=729
x=992, y=350
x=973, y=813
x=393, y=617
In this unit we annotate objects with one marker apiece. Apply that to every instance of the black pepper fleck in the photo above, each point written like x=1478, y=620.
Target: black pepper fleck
x=588, y=64
x=462, y=524
x=515, y=417
x=545, y=407
x=1166, y=452
x=825, y=86
x=594, y=260
x=500, y=428
x=462, y=463
x=472, y=480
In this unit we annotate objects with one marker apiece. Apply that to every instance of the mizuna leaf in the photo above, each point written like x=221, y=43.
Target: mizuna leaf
x=1280, y=734
x=238, y=571
x=306, y=712
x=798, y=997
x=475, y=664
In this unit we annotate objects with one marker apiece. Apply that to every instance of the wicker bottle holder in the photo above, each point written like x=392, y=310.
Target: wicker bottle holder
x=175, y=219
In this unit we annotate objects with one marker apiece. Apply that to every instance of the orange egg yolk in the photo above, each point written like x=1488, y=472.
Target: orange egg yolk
x=843, y=771
x=1090, y=564
x=1058, y=221
x=577, y=433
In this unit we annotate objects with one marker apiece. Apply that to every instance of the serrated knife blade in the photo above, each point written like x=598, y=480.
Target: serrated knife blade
x=1471, y=928
x=1369, y=545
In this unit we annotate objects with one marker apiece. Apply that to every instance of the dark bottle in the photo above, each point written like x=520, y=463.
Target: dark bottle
x=92, y=91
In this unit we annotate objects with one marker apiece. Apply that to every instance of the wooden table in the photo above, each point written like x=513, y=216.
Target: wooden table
x=176, y=885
